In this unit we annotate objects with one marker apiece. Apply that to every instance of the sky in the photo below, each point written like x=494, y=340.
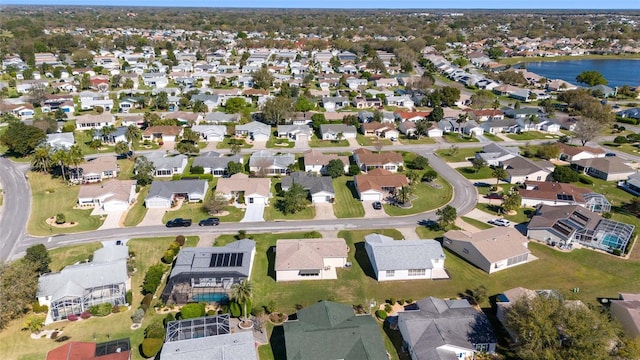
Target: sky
x=368, y=4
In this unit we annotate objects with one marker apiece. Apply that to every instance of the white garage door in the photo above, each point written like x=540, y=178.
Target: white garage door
x=157, y=204
x=256, y=200
x=370, y=197
x=115, y=206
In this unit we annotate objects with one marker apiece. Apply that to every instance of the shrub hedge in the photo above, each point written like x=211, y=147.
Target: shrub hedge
x=150, y=347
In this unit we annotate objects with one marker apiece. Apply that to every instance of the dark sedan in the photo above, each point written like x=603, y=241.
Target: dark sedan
x=209, y=222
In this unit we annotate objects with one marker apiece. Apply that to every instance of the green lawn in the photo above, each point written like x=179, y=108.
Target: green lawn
x=495, y=209
x=371, y=140
x=3, y=148
x=347, y=204
x=458, y=138
x=138, y=211
x=273, y=211
x=83, y=137
x=492, y=137
x=126, y=169
x=17, y=344
x=428, y=198
x=413, y=141
x=51, y=196
x=477, y=223
x=633, y=149
x=274, y=142
x=471, y=173
x=531, y=135
x=225, y=144
x=459, y=155
x=315, y=142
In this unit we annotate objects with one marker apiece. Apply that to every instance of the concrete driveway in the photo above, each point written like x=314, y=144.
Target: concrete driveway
x=324, y=211
x=302, y=143
x=153, y=217
x=353, y=143
x=253, y=213
x=258, y=145
x=370, y=212
x=112, y=221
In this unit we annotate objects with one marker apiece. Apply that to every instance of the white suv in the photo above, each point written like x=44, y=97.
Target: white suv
x=500, y=222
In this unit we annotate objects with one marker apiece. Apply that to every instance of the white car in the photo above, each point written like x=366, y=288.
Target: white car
x=500, y=222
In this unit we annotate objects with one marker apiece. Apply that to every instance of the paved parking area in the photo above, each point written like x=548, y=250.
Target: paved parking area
x=324, y=211
x=112, y=221
x=370, y=212
x=253, y=213
x=302, y=143
x=153, y=217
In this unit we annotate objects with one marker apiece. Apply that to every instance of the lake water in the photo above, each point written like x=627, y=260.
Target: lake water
x=617, y=72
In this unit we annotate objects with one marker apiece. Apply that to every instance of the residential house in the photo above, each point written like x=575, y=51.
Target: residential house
x=295, y=132
x=549, y=125
x=355, y=83
x=167, y=165
x=554, y=193
x=310, y=259
x=408, y=128
x=631, y=184
x=165, y=194
x=267, y=163
x=119, y=349
x=207, y=274
x=501, y=126
x=633, y=113
x=378, y=184
x=604, y=91
x=210, y=338
x=486, y=114
x=320, y=188
x=522, y=113
x=575, y=153
x=90, y=122
x=375, y=128
x=111, y=138
x=366, y=103
x=164, y=133
x=626, y=310
x=435, y=131
x=316, y=162
x=210, y=101
x=77, y=287
x=563, y=225
x=494, y=154
x=367, y=160
x=254, y=130
x=385, y=82
x=112, y=195
x=437, y=329
x=61, y=140
x=472, y=128
x=333, y=103
x=90, y=104
x=218, y=117
x=241, y=186
x=334, y=331
x=213, y=163
x=400, y=101
x=337, y=131
x=95, y=170
x=560, y=85
x=520, y=170
x=405, y=259
x=605, y=168
x=491, y=250
x=210, y=132
x=411, y=116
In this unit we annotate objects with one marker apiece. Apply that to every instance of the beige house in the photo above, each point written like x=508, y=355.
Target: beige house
x=367, y=160
x=95, y=170
x=112, y=195
x=315, y=161
x=627, y=311
x=254, y=190
x=490, y=250
x=310, y=259
x=607, y=168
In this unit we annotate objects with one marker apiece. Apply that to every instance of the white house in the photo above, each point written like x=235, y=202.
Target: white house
x=89, y=122
x=168, y=165
x=210, y=132
x=405, y=259
x=333, y=131
x=112, y=195
x=316, y=162
x=253, y=190
x=164, y=194
x=255, y=130
x=310, y=259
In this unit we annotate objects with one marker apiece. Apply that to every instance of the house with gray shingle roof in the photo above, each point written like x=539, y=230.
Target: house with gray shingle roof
x=200, y=273
x=328, y=330
x=61, y=140
x=218, y=117
x=163, y=194
x=265, y=162
x=437, y=329
x=255, y=130
x=320, y=187
x=214, y=164
x=167, y=165
x=331, y=131
x=405, y=259
x=606, y=168
x=210, y=132
x=295, y=132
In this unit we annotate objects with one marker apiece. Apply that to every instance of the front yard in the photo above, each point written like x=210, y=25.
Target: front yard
x=372, y=140
x=428, y=197
x=315, y=142
x=347, y=204
x=52, y=196
x=471, y=173
x=273, y=211
x=274, y=142
x=423, y=140
x=137, y=211
x=532, y=135
x=457, y=155
x=632, y=149
x=226, y=143
x=492, y=137
x=459, y=138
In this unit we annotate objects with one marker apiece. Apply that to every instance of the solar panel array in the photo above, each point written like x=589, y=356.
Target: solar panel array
x=564, y=197
x=226, y=260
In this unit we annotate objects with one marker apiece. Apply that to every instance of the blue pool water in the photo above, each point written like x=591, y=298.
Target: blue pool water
x=611, y=241
x=220, y=298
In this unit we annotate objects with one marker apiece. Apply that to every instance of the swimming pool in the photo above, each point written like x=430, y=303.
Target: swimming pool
x=612, y=241
x=220, y=298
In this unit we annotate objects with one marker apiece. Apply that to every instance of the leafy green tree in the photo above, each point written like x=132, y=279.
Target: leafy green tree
x=242, y=293
x=548, y=151
x=18, y=285
x=446, y=216
x=276, y=110
x=478, y=164
x=482, y=99
x=76, y=157
x=429, y=176
x=143, y=170
x=61, y=157
x=121, y=148
x=512, y=202
x=234, y=105
x=132, y=134
x=499, y=173
x=38, y=255
x=565, y=174
x=199, y=107
x=420, y=162
x=186, y=147
x=422, y=126
x=22, y=139
x=262, y=78
x=449, y=95
x=82, y=58
x=304, y=104
x=295, y=199
x=335, y=168
x=235, y=168
x=152, y=278
x=495, y=52
x=162, y=100
x=591, y=78
x=436, y=114
x=34, y=323
x=193, y=310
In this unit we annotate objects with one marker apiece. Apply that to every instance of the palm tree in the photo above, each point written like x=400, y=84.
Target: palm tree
x=499, y=173
x=462, y=118
x=132, y=134
x=121, y=148
x=533, y=119
x=76, y=157
x=404, y=194
x=61, y=157
x=41, y=160
x=242, y=293
x=107, y=131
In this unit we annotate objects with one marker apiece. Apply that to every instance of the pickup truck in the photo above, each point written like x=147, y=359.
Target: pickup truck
x=178, y=222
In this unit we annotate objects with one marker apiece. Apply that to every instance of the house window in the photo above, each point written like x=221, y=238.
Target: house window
x=517, y=259
x=219, y=172
x=307, y=273
x=163, y=173
x=391, y=273
x=483, y=348
x=390, y=167
x=417, y=272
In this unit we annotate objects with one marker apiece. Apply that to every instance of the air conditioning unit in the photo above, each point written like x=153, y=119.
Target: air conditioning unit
x=326, y=268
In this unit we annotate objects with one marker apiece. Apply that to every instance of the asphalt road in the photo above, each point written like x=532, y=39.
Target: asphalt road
x=16, y=205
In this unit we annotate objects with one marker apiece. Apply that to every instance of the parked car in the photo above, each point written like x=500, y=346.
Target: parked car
x=178, y=222
x=209, y=222
x=494, y=196
x=481, y=184
x=500, y=222
x=610, y=154
x=377, y=205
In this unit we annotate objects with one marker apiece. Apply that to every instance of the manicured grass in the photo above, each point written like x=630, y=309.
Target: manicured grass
x=632, y=149
x=492, y=137
x=315, y=142
x=126, y=169
x=273, y=211
x=141, y=145
x=531, y=135
x=69, y=255
x=18, y=344
x=494, y=208
x=51, y=196
x=413, y=141
x=83, y=137
x=428, y=198
x=225, y=144
x=346, y=204
x=477, y=223
x=471, y=173
x=274, y=142
x=609, y=189
x=459, y=155
x=371, y=140
x=3, y=148
x=458, y=138
x=137, y=211
x=521, y=59
x=503, y=188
